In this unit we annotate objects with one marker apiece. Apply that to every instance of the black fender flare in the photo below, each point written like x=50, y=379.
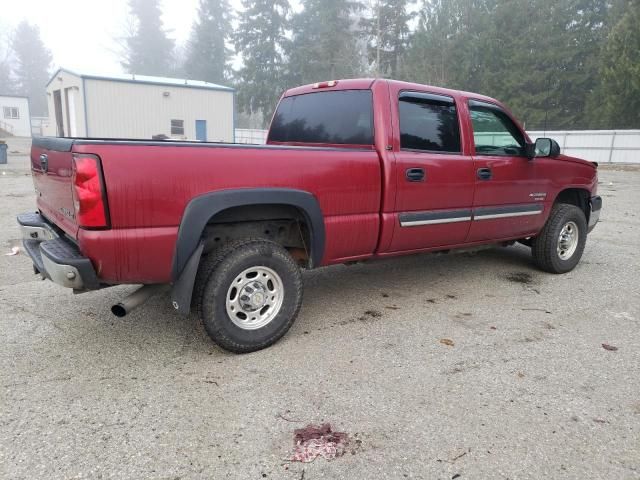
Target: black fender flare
x=204, y=207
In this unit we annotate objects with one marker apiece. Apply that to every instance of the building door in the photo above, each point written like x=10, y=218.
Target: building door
x=57, y=105
x=201, y=130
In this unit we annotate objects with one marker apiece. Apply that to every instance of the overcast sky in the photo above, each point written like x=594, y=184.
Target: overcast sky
x=81, y=34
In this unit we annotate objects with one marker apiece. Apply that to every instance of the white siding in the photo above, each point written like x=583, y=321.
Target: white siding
x=139, y=110
x=74, y=122
x=21, y=126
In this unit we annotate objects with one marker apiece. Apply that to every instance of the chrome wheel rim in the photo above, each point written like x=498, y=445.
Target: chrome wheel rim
x=254, y=298
x=568, y=240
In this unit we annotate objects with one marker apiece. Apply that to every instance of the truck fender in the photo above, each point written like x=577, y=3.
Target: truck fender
x=203, y=208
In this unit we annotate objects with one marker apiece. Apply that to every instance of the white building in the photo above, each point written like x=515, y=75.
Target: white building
x=137, y=106
x=15, y=118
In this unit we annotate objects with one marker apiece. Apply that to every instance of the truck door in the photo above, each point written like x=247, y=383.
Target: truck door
x=510, y=189
x=435, y=178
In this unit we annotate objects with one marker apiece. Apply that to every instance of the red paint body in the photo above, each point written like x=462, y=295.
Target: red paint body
x=361, y=191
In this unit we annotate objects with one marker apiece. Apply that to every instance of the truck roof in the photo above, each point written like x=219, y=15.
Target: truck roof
x=367, y=83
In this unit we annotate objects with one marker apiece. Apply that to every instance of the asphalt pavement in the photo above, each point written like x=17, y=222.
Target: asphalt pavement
x=466, y=366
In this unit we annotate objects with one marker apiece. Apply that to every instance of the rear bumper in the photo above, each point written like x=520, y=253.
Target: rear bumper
x=54, y=256
x=595, y=204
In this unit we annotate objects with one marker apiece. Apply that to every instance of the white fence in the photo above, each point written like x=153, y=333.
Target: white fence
x=602, y=146
x=39, y=126
x=251, y=136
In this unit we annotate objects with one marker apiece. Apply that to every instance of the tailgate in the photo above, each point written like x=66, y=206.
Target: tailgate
x=51, y=168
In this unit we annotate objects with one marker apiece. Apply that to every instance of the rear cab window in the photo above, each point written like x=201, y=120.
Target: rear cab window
x=428, y=123
x=342, y=117
x=494, y=133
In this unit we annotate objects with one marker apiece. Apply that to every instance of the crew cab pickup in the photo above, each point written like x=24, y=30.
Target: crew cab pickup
x=352, y=170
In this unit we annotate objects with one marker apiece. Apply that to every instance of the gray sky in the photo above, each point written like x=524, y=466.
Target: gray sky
x=81, y=33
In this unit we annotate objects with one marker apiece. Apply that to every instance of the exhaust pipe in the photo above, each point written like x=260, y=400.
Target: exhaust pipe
x=134, y=300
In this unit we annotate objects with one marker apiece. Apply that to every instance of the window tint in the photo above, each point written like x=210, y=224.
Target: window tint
x=494, y=133
x=342, y=117
x=429, y=122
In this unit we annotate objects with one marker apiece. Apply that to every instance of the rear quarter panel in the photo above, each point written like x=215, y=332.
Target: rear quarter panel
x=149, y=187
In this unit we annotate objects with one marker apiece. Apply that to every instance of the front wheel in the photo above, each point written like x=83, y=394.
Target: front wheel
x=559, y=246
x=248, y=294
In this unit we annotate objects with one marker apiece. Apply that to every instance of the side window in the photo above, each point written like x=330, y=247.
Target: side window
x=428, y=123
x=177, y=127
x=494, y=133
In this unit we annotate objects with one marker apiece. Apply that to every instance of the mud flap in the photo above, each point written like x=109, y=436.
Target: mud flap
x=183, y=287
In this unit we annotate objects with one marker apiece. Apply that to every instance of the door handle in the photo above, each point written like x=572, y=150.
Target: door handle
x=415, y=174
x=485, y=174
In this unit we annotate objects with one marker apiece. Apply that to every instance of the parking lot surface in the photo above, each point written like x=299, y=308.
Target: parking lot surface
x=470, y=366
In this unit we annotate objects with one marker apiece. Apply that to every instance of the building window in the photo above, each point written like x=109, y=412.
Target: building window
x=11, y=113
x=177, y=127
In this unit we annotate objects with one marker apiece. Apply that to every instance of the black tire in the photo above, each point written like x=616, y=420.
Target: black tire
x=545, y=246
x=216, y=274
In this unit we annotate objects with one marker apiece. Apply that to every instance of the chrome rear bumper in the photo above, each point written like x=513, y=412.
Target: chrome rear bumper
x=54, y=256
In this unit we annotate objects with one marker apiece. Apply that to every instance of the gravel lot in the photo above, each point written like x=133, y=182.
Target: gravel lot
x=526, y=390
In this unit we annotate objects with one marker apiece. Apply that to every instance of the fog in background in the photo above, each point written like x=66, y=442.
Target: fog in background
x=559, y=64
x=83, y=34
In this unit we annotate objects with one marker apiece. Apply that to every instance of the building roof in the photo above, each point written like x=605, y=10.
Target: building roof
x=146, y=79
x=10, y=95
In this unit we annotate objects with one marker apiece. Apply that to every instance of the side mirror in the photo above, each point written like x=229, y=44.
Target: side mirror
x=544, y=147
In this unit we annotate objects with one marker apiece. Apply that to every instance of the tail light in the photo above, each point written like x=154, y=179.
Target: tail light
x=89, y=195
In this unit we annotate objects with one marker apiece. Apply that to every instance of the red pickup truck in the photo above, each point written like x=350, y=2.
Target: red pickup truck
x=352, y=170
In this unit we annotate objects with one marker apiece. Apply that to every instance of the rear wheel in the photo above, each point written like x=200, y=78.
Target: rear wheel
x=559, y=246
x=248, y=294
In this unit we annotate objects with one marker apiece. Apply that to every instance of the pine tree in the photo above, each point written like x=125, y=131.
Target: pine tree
x=616, y=102
x=388, y=33
x=261, y=40
x=325, y=42
x=148, y=49
x=538, y=56
x=31, y=67
x=6, y=85
x=207, y=51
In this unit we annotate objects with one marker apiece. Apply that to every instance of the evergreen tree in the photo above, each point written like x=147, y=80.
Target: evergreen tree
x=538, y=56
x=616, y=101
x=31, y=67
x=261, y=39
x=207, y=51
x=388, y=32
x=6, y=85
x=325, y=42
x=148, y=49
